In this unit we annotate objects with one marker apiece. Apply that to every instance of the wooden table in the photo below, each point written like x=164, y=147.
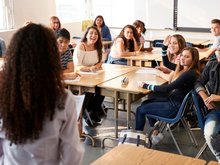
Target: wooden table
x=130, y=92
x=88, y=82
x=213, y=163
x=144, y=58
x=132, y=155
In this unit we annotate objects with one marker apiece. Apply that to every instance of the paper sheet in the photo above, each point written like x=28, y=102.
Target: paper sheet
x=77, y=79
x=79, y=103
x=147, y=71
x=97, y=72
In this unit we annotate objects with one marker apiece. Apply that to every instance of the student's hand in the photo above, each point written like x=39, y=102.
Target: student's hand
x=140, y=84
x=93, y=68
x=167, y=39
x=212, y=98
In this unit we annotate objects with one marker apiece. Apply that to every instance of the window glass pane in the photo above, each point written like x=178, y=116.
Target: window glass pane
x=70, y=10
x=1, y=14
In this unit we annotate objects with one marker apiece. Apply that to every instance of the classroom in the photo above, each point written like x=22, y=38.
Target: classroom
x=109, y=82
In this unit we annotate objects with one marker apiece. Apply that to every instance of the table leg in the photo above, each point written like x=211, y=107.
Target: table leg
x=128, y=109
x=116, y=113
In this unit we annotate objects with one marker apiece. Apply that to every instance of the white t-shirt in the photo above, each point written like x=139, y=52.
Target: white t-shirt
x=58, y=144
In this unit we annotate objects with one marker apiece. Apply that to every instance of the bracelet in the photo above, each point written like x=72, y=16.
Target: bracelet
x=135, y=53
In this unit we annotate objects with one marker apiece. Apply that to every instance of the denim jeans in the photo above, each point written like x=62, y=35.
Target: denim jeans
x=153, y=107
x=212, y=132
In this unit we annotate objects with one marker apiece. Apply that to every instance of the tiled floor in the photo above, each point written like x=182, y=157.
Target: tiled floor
x=106, y=128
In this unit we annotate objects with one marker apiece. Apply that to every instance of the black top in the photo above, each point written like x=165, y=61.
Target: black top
x=210, y=78
x=181, y=86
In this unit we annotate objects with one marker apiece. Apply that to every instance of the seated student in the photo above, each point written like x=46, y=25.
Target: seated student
x=168, y=97
x=126, y=44
x=54, y=23
x=104, y=30
x=215, y=30
x=38, y=116
x=66, y=57
x=63, y=40
x=2, y=47
x=173, y=46
x=140, y=27
x=89, y=57
x=208, y=87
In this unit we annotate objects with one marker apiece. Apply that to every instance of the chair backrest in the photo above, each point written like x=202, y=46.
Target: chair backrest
x=200, y=109
x=158, y=43
x=187, y=101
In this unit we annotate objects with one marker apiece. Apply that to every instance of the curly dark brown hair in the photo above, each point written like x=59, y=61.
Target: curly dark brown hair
x=31, y=86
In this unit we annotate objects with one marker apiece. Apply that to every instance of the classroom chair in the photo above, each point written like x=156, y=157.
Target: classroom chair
x=201, y=112
x=186, y=105
x=158, y=43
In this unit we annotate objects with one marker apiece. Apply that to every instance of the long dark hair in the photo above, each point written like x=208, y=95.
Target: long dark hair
x=195, y=62
x=31, y=86
x=98, y=44
x=129, y=44
x=103, y=21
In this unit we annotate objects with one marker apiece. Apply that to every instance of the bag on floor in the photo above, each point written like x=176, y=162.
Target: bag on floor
x=133, y=137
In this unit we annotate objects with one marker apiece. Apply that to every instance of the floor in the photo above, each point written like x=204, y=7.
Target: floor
x=106, y=129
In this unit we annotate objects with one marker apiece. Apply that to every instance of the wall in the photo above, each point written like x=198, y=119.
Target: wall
x=41, y=10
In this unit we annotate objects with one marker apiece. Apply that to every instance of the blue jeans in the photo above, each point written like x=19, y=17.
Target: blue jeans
x=154, y=107
x=212, y=132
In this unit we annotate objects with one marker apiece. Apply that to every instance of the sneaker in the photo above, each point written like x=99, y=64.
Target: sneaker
x=156, y=138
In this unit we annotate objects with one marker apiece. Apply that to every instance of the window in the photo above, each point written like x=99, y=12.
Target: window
x=6, y=14
x=70, y=10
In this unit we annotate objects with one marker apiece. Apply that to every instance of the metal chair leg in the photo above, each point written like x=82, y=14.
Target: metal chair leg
x=103, y=141
x=174, y=140
x=202, y=150
x=90, y=137
x=189, y=132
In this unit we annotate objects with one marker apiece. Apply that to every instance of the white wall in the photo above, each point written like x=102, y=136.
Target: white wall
x=40, y=11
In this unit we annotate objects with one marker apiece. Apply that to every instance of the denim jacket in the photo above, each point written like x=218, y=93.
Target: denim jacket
x=209, y=79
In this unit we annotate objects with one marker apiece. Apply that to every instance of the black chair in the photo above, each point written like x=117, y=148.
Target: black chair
x=186, y=104
x=201, y=112
x=158, y=43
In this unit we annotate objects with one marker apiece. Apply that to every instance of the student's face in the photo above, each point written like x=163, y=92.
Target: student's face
x=186, y=58
x=128, y=33
x=215, y=29
x=63, y=44
x=92, y=36
x=54, y=24
x=99, y=22
x=140, y=29
x=173, y=46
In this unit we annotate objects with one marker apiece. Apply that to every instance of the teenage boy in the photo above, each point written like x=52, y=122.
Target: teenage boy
x=215, y=30
x=208, y=87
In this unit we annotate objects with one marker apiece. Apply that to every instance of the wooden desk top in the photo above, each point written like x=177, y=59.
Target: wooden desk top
x=155, y=54
x=110, y=71
x=213, y=163
x=132, y=155
x=140, y=74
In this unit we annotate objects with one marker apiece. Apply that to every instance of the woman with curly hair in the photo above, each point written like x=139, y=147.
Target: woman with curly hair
x=126, y=44
x=38, y=116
